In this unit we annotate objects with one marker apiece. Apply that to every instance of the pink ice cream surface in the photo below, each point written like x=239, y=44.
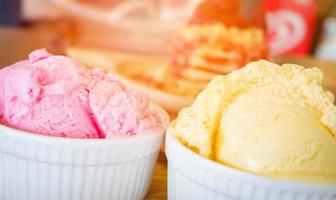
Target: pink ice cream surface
x=56, y=96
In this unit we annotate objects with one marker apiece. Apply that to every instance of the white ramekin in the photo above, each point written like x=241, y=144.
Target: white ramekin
x=191, y=176
x=37, y=167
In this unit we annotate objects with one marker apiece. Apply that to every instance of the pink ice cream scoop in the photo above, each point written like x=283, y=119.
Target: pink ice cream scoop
x=56, y=96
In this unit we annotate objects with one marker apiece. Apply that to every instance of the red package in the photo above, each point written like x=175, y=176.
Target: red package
x=290, y=26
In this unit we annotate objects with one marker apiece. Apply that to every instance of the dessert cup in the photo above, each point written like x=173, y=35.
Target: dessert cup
x=39, y=167
x=191, y=176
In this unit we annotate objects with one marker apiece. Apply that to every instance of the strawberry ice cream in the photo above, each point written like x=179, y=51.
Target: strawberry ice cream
x=56, y=96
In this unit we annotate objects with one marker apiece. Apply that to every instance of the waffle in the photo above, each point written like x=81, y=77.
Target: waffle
x=204, y=50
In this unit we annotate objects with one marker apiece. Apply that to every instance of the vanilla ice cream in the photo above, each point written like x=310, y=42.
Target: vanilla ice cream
x=267, y=119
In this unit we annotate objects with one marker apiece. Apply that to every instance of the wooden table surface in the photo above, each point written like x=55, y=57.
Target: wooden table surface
x=15, y=44
x=158, y=189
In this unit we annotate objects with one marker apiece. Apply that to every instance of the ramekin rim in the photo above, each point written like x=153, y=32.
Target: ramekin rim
x=207, y=163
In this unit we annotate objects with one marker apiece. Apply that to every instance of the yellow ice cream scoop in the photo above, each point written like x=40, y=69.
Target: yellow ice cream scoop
x=267, y=119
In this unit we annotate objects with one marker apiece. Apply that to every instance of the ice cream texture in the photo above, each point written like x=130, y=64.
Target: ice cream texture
x=56, y=96
x=266, y=119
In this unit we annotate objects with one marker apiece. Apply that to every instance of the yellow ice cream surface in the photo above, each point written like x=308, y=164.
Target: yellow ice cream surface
x=268, y=119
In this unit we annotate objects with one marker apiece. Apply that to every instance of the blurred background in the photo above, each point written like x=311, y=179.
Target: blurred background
x=140, y=40
x=294, y=27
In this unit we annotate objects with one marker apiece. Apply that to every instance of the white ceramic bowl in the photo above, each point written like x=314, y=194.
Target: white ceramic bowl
x=38, y=167
x=191, y=176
